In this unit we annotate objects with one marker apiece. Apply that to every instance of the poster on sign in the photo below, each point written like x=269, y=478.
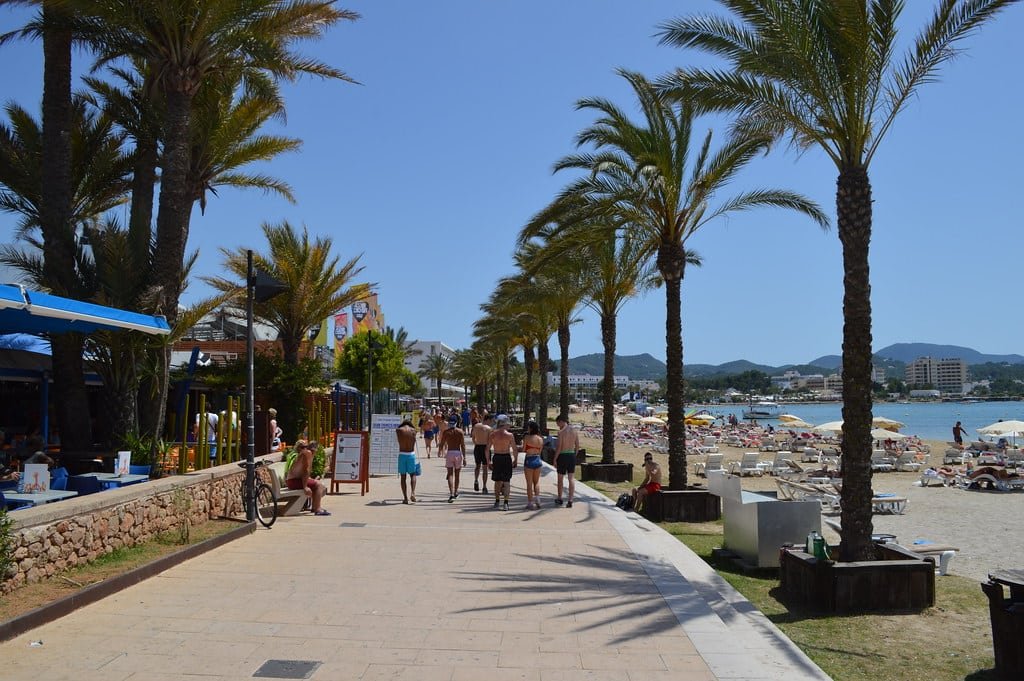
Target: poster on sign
x=124, y=462
x=350, y=463
x=34, y=478
x=384, y=444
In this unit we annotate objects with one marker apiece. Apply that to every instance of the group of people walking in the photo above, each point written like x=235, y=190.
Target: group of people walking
x=495, y=455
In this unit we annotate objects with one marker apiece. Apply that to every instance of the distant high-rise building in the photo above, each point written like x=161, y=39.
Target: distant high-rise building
x=947, y=375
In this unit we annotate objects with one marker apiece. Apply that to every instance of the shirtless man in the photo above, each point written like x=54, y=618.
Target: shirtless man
x=427, y=424
x=440, y=426
x=453, y=442
x=504, y=457
x=565, y=462
x=481, y=434
x=298, y=476
x=651, y=483
x=406, y=434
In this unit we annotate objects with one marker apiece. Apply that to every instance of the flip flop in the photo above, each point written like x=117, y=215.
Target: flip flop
x=322, y=512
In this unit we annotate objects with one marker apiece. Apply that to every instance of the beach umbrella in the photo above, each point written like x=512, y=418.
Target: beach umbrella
x=888, y=424
x=830, y=427
x=786, y=418
x=795, y=423
x=1002, y=428
x=884, y=434
x=652, y=421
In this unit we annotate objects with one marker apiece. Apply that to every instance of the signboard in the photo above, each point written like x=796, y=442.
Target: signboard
x=123, y=464
x=350, y=461
x=34, y=478
x=384, y=444
x=340, y=331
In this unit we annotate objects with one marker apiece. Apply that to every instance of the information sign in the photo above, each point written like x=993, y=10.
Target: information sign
x=350, y=461
x=384, y=444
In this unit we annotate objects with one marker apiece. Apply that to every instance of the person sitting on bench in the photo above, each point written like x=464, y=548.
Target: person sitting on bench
x=651, y=483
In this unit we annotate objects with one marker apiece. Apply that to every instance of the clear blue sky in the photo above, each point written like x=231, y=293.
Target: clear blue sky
x=431, y=166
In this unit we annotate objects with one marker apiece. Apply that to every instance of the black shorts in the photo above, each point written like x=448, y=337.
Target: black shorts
x=480, y=454
x=501, y=467
x=566, y=463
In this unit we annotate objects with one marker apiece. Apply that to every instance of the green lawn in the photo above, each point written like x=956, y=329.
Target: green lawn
x=952, y=640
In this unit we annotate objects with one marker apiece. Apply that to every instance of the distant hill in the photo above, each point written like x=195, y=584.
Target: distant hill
x=641, y=367
x=893, y=358
x=908, y=352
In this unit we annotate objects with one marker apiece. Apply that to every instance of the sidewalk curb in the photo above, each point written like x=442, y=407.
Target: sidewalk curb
x=95, y=592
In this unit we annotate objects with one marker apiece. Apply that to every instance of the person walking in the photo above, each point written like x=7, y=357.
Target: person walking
x=533, y=443
x=453, y=443
x=427, y=425
x=480, y=435
x=958, y=435
x=406, y=435
x=565, y=463
x=504, y=458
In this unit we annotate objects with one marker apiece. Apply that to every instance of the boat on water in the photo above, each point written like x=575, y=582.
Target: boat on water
x=761, y=410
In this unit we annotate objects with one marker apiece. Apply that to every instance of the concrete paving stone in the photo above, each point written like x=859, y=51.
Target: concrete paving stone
x=390, y=654
x=584, y=675
x=704, y=674
x=457, y=658
x=561, y=660
x=460, y=639
x=492, y=674
x=394, y=672
x=511, y=625
x=597, y=660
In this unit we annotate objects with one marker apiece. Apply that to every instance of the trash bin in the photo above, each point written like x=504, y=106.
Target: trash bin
x=1007, y=615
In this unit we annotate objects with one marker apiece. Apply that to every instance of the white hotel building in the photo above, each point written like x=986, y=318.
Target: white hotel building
x=947, y=375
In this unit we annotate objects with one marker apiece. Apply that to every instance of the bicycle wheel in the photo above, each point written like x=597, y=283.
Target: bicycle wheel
x=266, y=505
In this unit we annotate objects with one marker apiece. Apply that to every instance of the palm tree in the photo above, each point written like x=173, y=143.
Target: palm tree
x=825, y=73
x=99, y=172
x=187, y=44
x=641, y=179
x=436, y=367
x=401, y=338
x=618, y=270
x=317, y=283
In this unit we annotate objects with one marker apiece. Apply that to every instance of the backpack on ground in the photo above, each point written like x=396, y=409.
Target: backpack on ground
x=625, y=501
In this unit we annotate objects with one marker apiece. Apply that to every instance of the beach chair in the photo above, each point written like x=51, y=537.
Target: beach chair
x=810, y=455
x=791, y=471
x=953, y=456
x=746, y=466
x=881, y=461
x=709, y=445
x=907, y=462
x=776, y=464
x=713, y=462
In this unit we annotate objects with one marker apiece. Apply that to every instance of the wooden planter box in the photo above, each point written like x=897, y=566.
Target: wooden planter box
x=606, y=472
x=685, y=505
x=898, y=580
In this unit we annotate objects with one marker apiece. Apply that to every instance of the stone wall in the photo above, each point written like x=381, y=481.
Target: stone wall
x=50, y=538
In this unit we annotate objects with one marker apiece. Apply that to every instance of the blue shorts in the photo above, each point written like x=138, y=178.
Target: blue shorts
x=407, y=464
x=533, y=461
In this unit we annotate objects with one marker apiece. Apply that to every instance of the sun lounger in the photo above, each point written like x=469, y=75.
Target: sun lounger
x=924, y=547
x=777, y=464
x=746, y=466
x=712, y=463
x=881, y=462
x=907, y=461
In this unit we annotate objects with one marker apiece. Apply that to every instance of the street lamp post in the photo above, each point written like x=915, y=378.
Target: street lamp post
x=261, y=287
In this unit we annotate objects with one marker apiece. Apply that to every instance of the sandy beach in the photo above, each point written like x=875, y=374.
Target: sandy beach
x=982, y=524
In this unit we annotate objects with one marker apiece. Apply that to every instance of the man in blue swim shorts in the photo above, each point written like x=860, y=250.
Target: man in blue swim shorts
x=406, y=434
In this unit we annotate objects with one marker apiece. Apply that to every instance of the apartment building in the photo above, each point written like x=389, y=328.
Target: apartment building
x=947, y=375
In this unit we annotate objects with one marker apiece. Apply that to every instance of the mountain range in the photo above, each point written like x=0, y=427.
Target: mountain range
x=646, y=367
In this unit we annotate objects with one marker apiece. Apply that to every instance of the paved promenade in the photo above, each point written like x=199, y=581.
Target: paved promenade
x=426, y=592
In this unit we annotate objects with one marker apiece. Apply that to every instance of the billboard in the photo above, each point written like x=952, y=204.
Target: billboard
x=340, y=332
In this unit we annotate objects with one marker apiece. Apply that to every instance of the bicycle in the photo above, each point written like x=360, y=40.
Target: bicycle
x=266, y=501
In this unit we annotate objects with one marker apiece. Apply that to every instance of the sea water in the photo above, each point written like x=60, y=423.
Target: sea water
x=927, y=420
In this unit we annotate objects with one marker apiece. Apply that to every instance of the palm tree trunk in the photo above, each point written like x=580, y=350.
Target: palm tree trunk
x=504, y=381
x=671, y=261
x=172, y=222
x=543, y=358
x=140, y=225
x=563, y=348
x=70, y=396
x=528, y=359
x=439, y=402
x=290, y=350
x=607, y=398
x=853, y=209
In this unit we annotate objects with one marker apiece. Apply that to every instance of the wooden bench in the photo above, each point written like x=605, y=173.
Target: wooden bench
x=293, y=499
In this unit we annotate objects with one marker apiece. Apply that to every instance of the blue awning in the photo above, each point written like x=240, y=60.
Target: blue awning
x=24, y=311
